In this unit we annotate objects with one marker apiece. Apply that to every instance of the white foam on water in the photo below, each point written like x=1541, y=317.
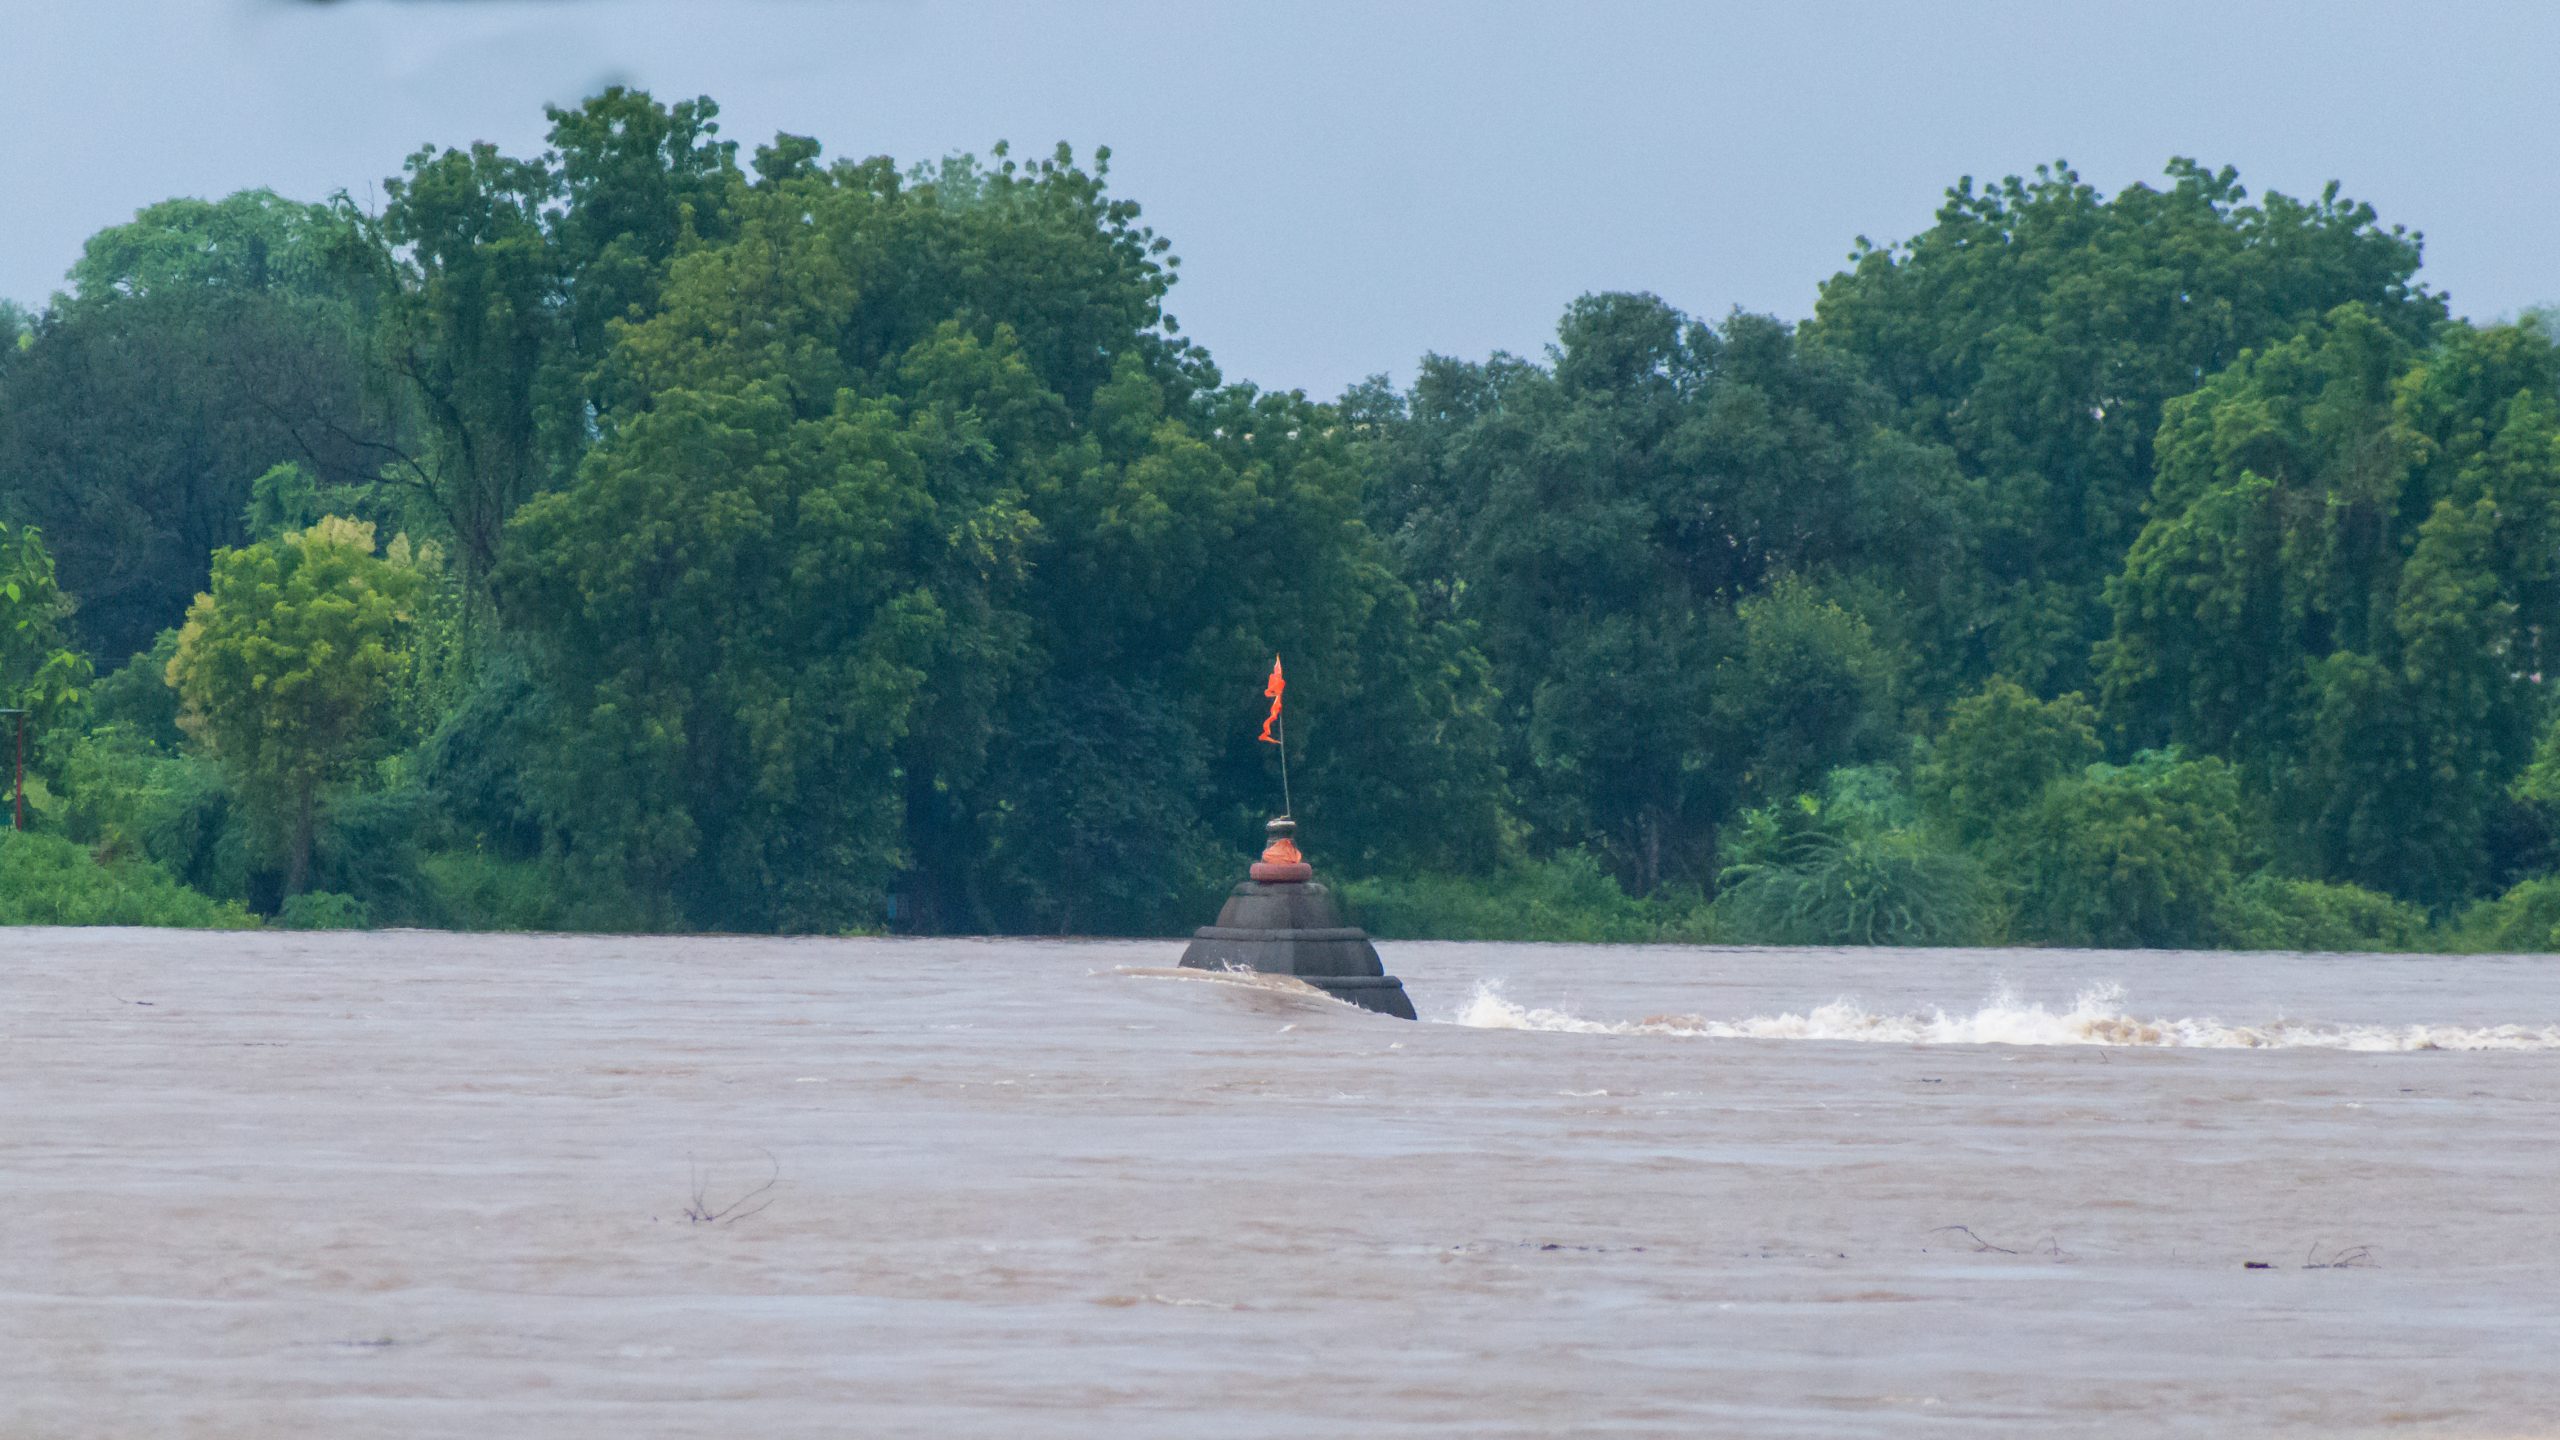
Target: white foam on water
x=1282, y=987
x=2096, y=1017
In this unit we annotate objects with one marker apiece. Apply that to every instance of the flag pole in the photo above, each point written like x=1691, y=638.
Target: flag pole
x=1286, y=809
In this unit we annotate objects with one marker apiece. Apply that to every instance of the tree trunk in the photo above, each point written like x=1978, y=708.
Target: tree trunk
x=297, y=866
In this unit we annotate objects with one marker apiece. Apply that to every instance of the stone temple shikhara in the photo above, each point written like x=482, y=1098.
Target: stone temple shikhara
x=1280, y=921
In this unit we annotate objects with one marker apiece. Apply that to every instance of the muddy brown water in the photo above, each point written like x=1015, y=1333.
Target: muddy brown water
x=435, y=1185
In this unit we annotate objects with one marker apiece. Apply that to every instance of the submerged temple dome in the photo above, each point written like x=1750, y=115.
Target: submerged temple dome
x=1281, y=922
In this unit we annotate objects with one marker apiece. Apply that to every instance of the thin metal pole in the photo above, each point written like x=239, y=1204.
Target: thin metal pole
x=1285, y=807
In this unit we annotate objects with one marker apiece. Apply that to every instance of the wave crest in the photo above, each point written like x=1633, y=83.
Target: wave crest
x=2096, y=1017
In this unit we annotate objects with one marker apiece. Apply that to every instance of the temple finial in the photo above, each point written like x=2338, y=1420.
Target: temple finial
x=1281, y=864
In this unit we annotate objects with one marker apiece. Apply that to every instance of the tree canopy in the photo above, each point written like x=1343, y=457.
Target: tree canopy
x=2345, y=587
x=838, y=544
x=1653, y=537
x=980, y=488
x=203, y=346
x=2039, y=330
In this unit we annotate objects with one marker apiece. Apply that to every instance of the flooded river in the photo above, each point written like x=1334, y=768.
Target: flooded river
x=429, y=1185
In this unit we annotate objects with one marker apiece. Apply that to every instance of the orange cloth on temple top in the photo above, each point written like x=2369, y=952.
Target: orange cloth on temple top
x=1278, y=684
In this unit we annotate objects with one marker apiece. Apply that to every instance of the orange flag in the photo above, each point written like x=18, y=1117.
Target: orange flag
x=1278, y=684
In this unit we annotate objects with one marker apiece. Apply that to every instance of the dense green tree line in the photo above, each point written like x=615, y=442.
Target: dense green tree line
x=628, y=536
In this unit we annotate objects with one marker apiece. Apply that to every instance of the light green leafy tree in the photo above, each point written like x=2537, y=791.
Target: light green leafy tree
x=290, y=671
x=39, y=672
x=251, y=241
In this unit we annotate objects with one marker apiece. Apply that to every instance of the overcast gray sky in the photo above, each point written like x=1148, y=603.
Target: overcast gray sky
x=1352, y=184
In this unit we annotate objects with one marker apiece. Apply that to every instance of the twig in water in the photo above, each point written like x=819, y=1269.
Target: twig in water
x=1980, y=1245
x=703, y=1212
x=2347, y=1259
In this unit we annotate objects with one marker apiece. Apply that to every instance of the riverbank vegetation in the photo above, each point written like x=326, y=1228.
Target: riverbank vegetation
x=643, y=535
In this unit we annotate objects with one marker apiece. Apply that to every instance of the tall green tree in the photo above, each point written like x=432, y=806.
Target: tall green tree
x=201, y=348
x=2039, y=329
x=2347, y=588
x=1616, y=525
x=491, y=285
x=737, y=609
x=906, y=471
